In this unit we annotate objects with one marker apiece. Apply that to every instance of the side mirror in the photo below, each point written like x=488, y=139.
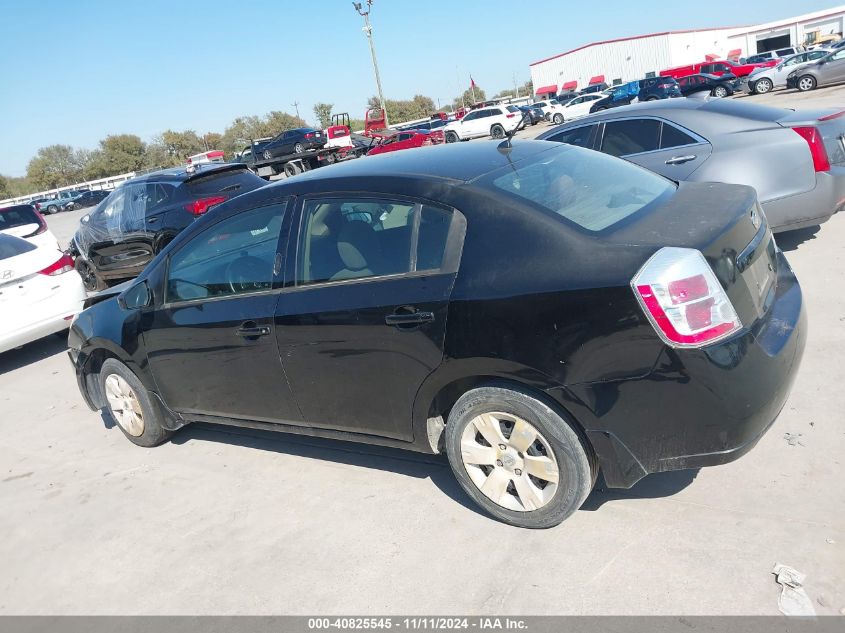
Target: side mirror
x=138, y=296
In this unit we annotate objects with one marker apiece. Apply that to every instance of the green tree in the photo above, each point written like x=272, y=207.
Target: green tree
x=5, y=191
x=469, y=97
x=399, y=111
x=323, y=112
x=117, y=154
x=54, y=166
x=244, y=128
x=180, y=145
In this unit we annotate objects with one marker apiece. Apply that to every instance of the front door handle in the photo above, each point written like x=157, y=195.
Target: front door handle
x=152, y=219
x=250, y=330
x=680, y=160
x=409, y=318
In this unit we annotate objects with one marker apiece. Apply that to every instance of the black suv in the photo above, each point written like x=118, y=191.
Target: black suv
x=293, y=142
x=87, y=199
x=127, y=229
x=649, y=89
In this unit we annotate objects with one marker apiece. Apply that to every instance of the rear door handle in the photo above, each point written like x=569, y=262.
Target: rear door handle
x=409, y=318
x=680, y=160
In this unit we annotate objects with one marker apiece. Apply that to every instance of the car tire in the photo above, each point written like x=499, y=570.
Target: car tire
x=130, y=406
x=267, y=154
x=451, y=137
x=298, y=148
x=562, y=458
x=90, y=280
x=805, y=83
x=497, y=131
x=762, y=86
x=720, y=92
x=557, y=119
x=601, y=108
x=52, y=209
x=330, y=159
x=292, y=169
x=651, y=99
x=547, y=117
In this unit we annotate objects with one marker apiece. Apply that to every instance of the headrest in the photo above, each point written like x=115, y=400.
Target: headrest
x=357, y=245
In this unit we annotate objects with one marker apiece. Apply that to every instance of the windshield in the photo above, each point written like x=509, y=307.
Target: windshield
x=589, y=189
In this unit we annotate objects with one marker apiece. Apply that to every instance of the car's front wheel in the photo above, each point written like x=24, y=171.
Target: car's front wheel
x=267, y=154
x=807, y=82
x=130, y=405
x=762, y=86
x=720, y=91
x=517, y=458
x=52, y=209
x=90, y=280
x=298, y=148
x=558, y=119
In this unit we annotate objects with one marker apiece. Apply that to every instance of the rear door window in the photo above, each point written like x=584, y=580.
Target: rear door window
x=580, y=136
x=674, y=137
x=631, y=136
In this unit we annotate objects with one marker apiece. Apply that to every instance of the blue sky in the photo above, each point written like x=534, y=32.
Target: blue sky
x=72, y=72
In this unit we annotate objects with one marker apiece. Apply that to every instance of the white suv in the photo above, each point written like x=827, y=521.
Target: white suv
x=495, y=121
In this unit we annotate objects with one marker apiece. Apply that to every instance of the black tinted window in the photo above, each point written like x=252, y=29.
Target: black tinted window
x=631, y=136
x=431, y=243
x=11, y=246
x=17, y=216
x=230, y=183
x=579, y=136
x=673, y=137
x=234, y=256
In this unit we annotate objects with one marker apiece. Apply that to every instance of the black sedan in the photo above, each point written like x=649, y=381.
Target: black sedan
x=87, y=199
x=538, y=312
x=293, y=142
x=714, y=85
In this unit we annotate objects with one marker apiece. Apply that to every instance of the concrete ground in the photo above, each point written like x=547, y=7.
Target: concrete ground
x=241, y=522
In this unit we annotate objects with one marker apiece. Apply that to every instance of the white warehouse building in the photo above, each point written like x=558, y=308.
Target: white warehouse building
x=628, y=58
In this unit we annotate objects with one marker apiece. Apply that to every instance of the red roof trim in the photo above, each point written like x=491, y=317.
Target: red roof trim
x=632, y=37
x=546, y=90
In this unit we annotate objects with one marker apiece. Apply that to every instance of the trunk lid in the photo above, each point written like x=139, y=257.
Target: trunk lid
x=830, y=122
x=718, y=220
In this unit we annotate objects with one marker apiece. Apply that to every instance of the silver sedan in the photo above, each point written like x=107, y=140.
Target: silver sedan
x=794, y=159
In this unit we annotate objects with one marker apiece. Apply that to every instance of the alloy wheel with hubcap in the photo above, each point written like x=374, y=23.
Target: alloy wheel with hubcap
x=720, y=91
x=497, y=131
x=509, y=461
x=763, y=86
x=267, y=154
x=807, y=82
x=124, y=405
x=558, y=119
x=298, y=148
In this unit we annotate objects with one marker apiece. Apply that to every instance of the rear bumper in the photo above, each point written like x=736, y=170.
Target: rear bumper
x=810, y=207
x=700, y=407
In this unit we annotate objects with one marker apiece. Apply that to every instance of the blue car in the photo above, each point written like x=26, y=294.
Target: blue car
x=643, y=89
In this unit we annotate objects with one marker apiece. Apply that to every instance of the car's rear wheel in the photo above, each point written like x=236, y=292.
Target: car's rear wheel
x=292, y=169
x=807, y=82
x=130, y=405
x=451, y=137
x=90, y=280
x=298, y=148
x=497, y=131
x=517, y=458
x=52, y=209
x=267, y=154
x=558, y=119
x=762, y=86
x=720, y=92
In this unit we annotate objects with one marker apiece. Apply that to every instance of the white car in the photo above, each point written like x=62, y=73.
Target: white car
x=24, y=221
x=763, y=80
x=580, y=106
x=495, y=121
x=552, y=110
x=40, y=292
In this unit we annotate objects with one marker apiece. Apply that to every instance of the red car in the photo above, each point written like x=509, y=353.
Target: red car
x=717, y=68
x=407, y=140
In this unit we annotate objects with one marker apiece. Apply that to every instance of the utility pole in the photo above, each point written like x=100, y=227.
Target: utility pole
x=295, y=104
x=368, y=31
x=515, y=89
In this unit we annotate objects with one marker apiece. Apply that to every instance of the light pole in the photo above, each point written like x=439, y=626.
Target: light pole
x=368, y=31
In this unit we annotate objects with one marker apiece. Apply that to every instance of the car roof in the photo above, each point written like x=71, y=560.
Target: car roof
x=456, y=162
x=181, y=174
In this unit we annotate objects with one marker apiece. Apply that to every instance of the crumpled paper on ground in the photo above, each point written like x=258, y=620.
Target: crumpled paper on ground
x=793, y=599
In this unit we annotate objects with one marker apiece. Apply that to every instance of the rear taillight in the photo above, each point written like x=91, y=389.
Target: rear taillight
x=817, y=150
x=426, y=142
x=511, y=115
x=683, y=299
x=309, y=135
x=198, y=207
x=63, y=265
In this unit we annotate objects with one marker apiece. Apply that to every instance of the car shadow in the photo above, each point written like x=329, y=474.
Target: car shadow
x=654, y=486
x=32, y=353
x=408, y=463
x=791, y=240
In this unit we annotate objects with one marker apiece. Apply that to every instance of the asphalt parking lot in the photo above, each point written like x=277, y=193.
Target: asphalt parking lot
x=230, y=521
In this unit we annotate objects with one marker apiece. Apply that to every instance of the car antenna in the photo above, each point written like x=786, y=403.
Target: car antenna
x=505, y=146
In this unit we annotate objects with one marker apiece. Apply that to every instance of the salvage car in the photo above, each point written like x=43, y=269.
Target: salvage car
x=291, y=142
x=801, y=184
x=405, y=140
x=39, y=291
x=117, y=239
x=765, y=80
x=714, y=85
x=650, y=89
x=495, y=121
x=376, y=302
x=86, y=199
x=830, y=69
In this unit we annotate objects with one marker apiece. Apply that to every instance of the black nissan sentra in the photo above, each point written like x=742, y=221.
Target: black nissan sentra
x=538, y=312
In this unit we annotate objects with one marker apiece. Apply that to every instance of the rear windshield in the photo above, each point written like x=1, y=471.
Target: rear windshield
x=231, y=182
x=586, y=188
x=17, y=216
x=11, y=246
